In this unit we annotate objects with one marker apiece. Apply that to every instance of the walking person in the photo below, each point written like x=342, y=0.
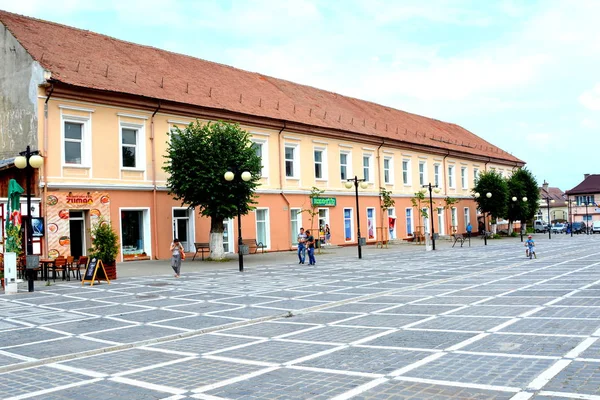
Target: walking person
x=327, y=235
x=310, y=242
x=469, y=230
x=177, y=255
x=301, y=246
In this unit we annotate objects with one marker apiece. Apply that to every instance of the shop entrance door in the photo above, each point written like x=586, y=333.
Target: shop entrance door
x=77, y=233
x=181, y=227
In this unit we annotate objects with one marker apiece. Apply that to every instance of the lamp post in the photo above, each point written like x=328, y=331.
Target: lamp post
x=431, y=187
x=570, y=205
x=246, y=176
x=587, y=231
x=489, y=196
x=363, y=184
x=548, y=201
x=514, y=199
x=32, y=159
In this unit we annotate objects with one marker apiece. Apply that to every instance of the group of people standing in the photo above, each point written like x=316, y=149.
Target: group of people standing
x=306, y=242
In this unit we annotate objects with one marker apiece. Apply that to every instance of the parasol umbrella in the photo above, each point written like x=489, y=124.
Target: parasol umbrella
x=13, y=222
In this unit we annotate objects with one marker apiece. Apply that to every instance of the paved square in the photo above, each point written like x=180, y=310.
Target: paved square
x=469, y=323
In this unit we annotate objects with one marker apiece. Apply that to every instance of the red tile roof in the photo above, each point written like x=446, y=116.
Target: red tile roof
x=555, y=194
x=90, y=60
x=589, y=185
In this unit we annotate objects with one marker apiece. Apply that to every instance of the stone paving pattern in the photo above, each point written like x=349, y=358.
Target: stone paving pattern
x=468, y=323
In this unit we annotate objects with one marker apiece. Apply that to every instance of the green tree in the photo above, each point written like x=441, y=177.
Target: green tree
x=530, y=190
x=197, y=159
x=491, y=182
x=313, y=209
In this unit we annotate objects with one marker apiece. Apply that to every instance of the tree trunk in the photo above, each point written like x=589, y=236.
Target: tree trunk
x=510, y=228
x=216, y=238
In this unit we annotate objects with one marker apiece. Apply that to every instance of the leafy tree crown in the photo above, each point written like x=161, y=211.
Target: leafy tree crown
x=197, y=159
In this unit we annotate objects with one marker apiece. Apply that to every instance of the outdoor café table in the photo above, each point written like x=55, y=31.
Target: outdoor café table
x=46, y=263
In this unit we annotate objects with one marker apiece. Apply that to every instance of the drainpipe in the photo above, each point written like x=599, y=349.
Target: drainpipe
x=381, y=184
x=445, y=172
x=154, y=201
x=44, y=169
x=281, y=177
x=486, y=163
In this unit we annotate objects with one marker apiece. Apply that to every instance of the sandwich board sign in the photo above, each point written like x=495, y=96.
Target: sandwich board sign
x=94, y=271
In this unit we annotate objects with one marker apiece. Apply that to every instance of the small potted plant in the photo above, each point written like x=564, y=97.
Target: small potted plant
x=105, y=246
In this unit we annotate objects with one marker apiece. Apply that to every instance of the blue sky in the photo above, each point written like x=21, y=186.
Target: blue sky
x=524, y=75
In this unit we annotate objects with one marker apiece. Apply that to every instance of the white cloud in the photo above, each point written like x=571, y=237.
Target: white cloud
x=590, y=99
x=589, y=123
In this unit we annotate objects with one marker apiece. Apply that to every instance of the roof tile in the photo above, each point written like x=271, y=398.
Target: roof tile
x=91, y=60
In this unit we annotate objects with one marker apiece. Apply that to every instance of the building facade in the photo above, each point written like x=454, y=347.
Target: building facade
x=584, y=200
x=100, y=111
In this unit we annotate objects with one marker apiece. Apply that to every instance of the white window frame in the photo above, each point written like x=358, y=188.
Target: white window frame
x=451, y=176
x=348, y=164
x=412, y=220
x=463, y=177
x=86, y=140
x=351, y=224
x=298, y=220
x=264, y=171
x=369, y=167
x=454, y=217
x=373, y=222
x=295, y=161
x=140, y=147
x=467, y=216
x=389, y=169
x=324, y=169
x=423, y=174
x=326, y=219
x=267, y=225
x=391, y=213
x=437, y=179
x=147, y=229
x=440, y=220
x=475, y=175
x=406, y=173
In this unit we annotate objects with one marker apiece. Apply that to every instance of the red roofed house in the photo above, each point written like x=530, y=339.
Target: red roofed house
x=584, y=200
x=84, y=99
x=556, y=199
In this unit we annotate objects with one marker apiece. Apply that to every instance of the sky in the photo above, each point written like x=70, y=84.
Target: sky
x=524, y=75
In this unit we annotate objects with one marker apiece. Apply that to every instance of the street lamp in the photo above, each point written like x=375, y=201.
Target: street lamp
x=514, y=199
x=437, y=190
x=570, y=205
x=548, y=201
x=587, y=231
x=489, y=196
x=363, y=184
x=246, y=176
x=34, y=160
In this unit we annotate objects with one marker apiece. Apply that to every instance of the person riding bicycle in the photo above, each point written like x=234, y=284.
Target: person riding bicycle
x=530, y=244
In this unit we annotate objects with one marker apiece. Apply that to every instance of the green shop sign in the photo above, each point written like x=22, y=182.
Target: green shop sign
x=324, y=201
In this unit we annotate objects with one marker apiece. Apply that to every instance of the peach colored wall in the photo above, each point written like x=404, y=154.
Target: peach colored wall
x=103, y=170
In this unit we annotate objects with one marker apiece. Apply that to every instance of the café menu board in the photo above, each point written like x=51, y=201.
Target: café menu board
x=59, y=204
x=94, y=271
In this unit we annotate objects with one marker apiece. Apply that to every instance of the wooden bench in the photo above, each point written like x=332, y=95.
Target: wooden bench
x=253, y=244
x=458, y=238
x=201, y=247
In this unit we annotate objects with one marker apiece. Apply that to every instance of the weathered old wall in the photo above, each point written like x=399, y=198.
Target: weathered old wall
x=20, y=76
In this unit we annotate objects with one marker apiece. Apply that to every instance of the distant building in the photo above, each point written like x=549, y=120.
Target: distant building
x=584, y=199
x=557, y=200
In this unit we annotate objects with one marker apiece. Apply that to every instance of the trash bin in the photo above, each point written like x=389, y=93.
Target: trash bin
x=362, y=241
x=318, y=244
x=435, y=236
x=244, y=249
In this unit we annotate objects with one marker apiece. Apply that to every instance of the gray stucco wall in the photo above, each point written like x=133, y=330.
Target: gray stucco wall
x=20, y=77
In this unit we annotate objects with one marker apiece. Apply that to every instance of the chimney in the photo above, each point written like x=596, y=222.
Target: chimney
x=585, y=176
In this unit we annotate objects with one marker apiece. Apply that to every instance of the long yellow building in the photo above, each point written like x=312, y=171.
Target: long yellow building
x=99, y=109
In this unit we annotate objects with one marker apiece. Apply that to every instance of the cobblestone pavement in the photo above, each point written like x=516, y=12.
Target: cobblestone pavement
x=462, y=323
